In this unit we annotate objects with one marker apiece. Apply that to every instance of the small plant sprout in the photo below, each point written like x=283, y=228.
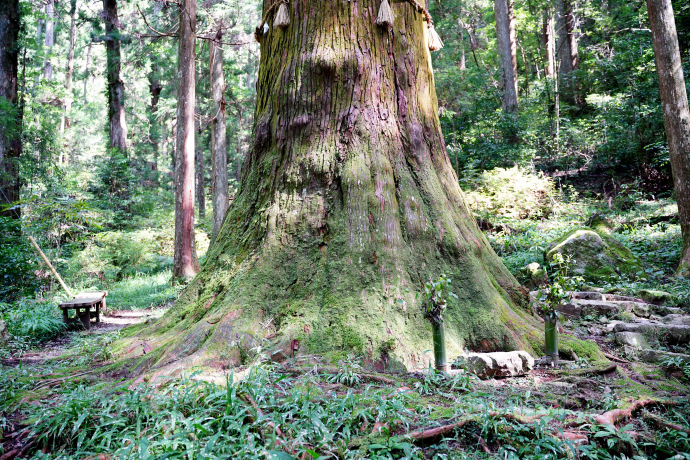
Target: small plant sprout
x=433, y=305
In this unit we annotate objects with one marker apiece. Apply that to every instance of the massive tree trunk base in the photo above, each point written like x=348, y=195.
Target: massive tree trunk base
x=348, y=204
x=332, y=306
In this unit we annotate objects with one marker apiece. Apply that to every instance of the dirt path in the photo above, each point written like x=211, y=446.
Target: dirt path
x=114, y=321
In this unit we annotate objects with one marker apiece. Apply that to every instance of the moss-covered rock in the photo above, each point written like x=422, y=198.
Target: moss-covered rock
x=594, y=255
x=656, y=297
x=571, y=347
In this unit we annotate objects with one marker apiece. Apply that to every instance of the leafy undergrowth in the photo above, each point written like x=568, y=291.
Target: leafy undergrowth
x=64, y=407
x=522, y=212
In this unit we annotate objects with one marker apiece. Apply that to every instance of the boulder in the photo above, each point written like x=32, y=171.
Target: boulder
x=534, y=275
x=594, y=255
x=631, y=339
x=3, y=332
x=499, y=364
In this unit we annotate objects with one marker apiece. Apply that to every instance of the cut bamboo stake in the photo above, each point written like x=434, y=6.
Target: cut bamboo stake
x=45, y=259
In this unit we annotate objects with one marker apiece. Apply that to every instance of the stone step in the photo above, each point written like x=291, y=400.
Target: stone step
x=662, y=310
x=667, y=333
x=658, y=356
x=673, y=318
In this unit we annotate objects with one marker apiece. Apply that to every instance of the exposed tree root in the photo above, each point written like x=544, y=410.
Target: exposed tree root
x=433, y=433
x=260, y=413
x=661, y=423
x=613, y=416
x=615, y=358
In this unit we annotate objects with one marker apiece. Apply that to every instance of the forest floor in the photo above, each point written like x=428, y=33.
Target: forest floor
x=66, y=403
x=64, y=398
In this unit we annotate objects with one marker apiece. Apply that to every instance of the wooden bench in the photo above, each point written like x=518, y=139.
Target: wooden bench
x=86, y=306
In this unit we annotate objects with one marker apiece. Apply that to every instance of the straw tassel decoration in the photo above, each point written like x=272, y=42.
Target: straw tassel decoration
x=282, y=19
x=385, y=17
x=434, y=41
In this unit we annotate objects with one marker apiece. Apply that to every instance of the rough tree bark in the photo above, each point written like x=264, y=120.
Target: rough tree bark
x=185, y=263
x=69, y=77
x=10, y=115
x=348, y=203
x=116, y=87
x=674, y=100
x=567, y=51
x=219, y=146
x=49, y=40
x=507, y=52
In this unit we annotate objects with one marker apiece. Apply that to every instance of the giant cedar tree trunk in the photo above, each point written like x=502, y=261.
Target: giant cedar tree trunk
x=348, y=203
x=674, y=100
x=185, y=264
x=116, y=87
x=10, y=115
x=507, y=52
x=219, y=145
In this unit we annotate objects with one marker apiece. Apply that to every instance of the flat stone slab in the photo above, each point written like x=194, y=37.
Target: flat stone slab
x=657, y=356
x=499, y=364
x=663, y=310
x=668, y=333
x=631, y=339
x=597, y=307
x=676, y=319
x=588, y=295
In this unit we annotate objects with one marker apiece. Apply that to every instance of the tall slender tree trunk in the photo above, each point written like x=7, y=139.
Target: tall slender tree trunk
x=10, y=114
x=674, y=100
x=69, y=77
x=87, y=72
x=507, y=51
x=155, y=88
x=462, y=62
x=219, y=145
x=49, y=40
x=549, y=41
x=348, y=204
x=200, y=180
x=116, y=87
x=567, y=51
x=185, y=264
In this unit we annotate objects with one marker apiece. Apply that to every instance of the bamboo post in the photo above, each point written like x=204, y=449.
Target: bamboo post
x=45, y=259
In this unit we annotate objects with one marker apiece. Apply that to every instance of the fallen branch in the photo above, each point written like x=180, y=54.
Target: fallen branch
x=616, y=415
